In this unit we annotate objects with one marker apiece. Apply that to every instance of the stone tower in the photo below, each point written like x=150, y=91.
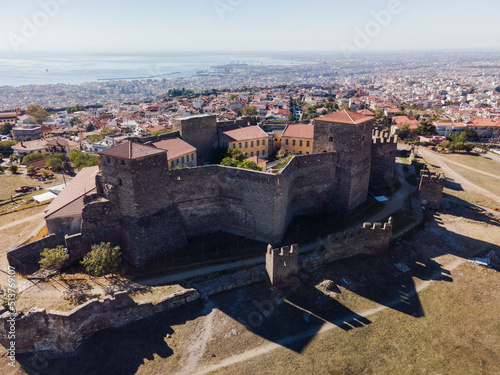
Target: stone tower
x=134, y=172
x=200, y=132
x=430, y=190
x=282, y=265
x=384, y=151
x=350, y=135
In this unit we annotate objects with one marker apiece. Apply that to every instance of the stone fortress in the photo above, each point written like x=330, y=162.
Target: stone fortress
x=149, y=209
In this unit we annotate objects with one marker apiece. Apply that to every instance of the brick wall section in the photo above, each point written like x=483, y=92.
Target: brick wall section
x=430, y=190
x=200, y=132
x=383, y=165
x=282, y=265
x=353, y=144
x=370, y=239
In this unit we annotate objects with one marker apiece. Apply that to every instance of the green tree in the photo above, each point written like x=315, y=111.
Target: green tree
x=247, y=164
x=32, y=157
x=6, y=146
x=32, y=109
x=126, y=130
x=13, y=168
x=81, y=160
x=90, y=128
x=40, y=116
x=102, y=259
x=75, y=121
x=426, y=128
x=53, y=259
x=107, y=132
x=5, y=128
x=55, y=161
x=249, y=110
x=233, y=96
x=45, y=173
x=403, y=132
x=379, y=114
x=219, y=154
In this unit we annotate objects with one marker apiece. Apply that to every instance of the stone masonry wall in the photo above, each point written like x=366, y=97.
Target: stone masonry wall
x=200, y=132
x=159, y=214
x=282, y=265
x=384, y=151
x=353, y=144
x=59, y=333
x=430, y=190
x=371, y=239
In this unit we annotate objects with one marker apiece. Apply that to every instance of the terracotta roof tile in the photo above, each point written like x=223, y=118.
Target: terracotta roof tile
x=345, y=117
x=175, y=147
x=243, y=133
x=299, y=131
x=130, y=151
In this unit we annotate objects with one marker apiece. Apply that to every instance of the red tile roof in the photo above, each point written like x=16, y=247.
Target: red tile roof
x=299, y=131
x=242, y=133
x=131, y=150
x=70, y=201
x=345, y=117
x=175, y=147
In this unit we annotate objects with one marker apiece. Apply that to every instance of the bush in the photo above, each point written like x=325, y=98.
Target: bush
x=102, y=259
x=53, y=259
x=32, y=157
x=247, y=164
x=13, y=168
x=45, y=173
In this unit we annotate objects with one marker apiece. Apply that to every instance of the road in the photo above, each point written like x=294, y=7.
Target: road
x=435, y=159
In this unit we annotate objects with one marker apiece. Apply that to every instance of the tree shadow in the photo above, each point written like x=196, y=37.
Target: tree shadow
x=114, y=351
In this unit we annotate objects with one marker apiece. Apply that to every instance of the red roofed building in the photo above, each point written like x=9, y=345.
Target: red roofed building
x=298, y=139
x=64, y=214
x=179, y=153
x=251, y=140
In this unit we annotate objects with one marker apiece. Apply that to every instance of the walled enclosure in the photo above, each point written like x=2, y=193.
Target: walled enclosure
x=160, y=209
x=150, y=210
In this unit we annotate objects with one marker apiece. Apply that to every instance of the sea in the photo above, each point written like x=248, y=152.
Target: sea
x=18, y=69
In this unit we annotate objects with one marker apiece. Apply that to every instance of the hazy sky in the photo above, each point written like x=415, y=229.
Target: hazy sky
x=247, y=25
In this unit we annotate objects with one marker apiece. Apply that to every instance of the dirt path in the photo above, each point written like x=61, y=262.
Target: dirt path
x=448, y=161
x=22, y=221
x=265, y=349
x=432, y=158
x=197, y=348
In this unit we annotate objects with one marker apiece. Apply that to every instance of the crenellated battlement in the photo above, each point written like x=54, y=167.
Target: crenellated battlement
x=282, y=264
x=430, y=189
x=426, y=175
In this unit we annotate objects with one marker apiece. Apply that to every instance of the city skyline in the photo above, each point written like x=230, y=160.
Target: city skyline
x=241, y=25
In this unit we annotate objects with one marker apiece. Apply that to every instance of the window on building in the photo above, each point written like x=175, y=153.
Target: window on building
x=183, y=160
x=239, y=146
x=258, y=142
x=258, y=153
x=171, y=164
x=286, y=142
x=300, y=143
x=251, y=144
x=246, y=144
x=330, y=139
x=263, y=152
x=307, y=153
x=234, y=145
x=293, y=142
x=300, y=152
x=308, y=143
x=251, y=154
